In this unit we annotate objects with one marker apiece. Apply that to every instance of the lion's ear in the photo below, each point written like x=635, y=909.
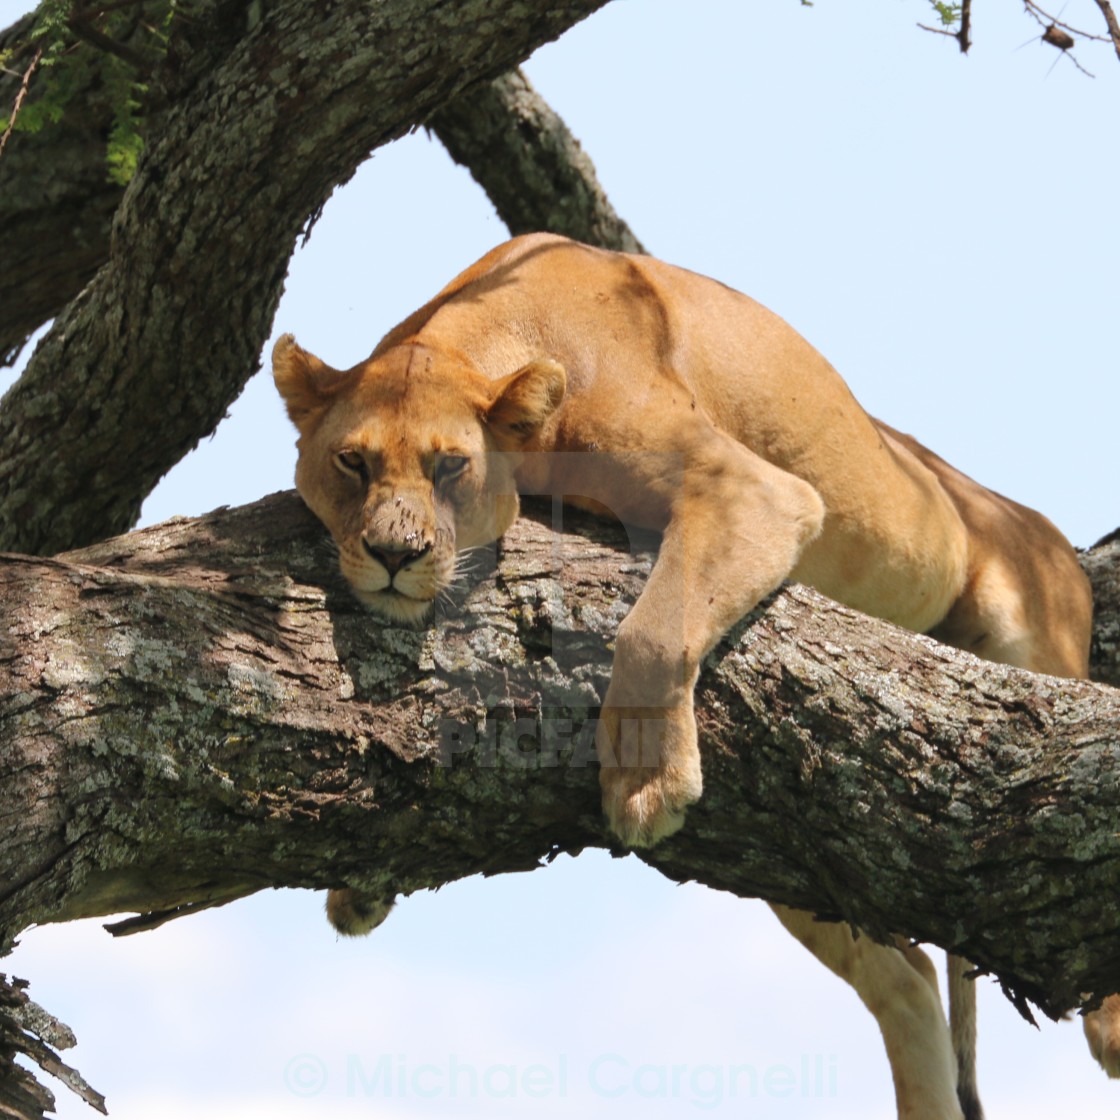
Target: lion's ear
x=305, y=383
x=524, y=400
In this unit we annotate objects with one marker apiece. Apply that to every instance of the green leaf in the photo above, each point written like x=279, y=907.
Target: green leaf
x=949, y=14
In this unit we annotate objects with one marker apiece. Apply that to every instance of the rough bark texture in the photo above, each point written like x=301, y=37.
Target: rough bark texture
x=56, y=198
x=266, y=109
x=197, y=711
x=531, y=167
x=1102, y=562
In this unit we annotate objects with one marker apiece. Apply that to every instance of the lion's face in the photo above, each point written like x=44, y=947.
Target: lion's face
x=408, y=459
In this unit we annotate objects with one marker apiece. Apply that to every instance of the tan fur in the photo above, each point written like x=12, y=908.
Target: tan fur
x=680, y=405
x=1102, y=1029
x=354, y=914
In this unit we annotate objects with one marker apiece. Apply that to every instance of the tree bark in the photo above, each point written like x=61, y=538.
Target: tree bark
x=199, y=710
x=258, y=113
x=1100, y=563
x=56, y=205
x=25, y=1028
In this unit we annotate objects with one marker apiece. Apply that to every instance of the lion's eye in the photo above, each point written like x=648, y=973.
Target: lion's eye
x=351, y=463
x=451, y=467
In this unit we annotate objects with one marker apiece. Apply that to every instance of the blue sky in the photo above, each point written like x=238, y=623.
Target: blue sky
x=944, y=230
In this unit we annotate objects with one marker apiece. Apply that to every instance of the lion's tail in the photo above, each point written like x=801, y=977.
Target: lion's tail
x=962, y=1027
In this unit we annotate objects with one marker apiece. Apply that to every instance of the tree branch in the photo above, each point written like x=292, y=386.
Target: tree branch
x=25, y=1028
x=195, y=712
x=84, y=29
x=530, y=165
x=1111, y=23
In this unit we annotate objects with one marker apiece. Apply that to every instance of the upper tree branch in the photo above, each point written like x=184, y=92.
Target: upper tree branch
x=530, y=165
x=191, y=713
x=263, y=119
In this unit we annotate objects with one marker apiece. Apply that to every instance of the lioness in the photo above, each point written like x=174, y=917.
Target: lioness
x=702, y=415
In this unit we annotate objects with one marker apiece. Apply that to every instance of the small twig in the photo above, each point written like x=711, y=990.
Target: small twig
x=1112, y=23
x=1056, y=37
x=938, y=30
x=24, y=85
x=1062, y=35
x=1045, y=19
x=1073, y=58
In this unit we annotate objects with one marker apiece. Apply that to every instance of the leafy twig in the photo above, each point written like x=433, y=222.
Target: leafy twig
x=958, y=14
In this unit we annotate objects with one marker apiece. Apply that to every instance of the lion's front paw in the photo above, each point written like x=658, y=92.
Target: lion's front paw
x=649, y=771
x=1102, y=1029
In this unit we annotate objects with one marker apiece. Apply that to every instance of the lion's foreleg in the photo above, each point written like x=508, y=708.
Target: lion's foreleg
x=737, y=526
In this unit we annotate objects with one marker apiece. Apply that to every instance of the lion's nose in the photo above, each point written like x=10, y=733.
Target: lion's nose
x=394, y=559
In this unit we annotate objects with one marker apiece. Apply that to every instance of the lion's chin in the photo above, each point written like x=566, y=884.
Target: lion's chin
x=395, y=607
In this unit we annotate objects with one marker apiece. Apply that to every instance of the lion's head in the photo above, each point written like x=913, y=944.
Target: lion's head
x=409, y=458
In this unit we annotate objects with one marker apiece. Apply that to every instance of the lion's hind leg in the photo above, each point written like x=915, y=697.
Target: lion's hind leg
x=1041, y=624
x=899, y=987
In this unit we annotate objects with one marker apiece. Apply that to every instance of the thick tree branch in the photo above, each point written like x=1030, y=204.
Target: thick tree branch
x=268, y=109
x=530, y=165
x=195, y=712
x=180, y=725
